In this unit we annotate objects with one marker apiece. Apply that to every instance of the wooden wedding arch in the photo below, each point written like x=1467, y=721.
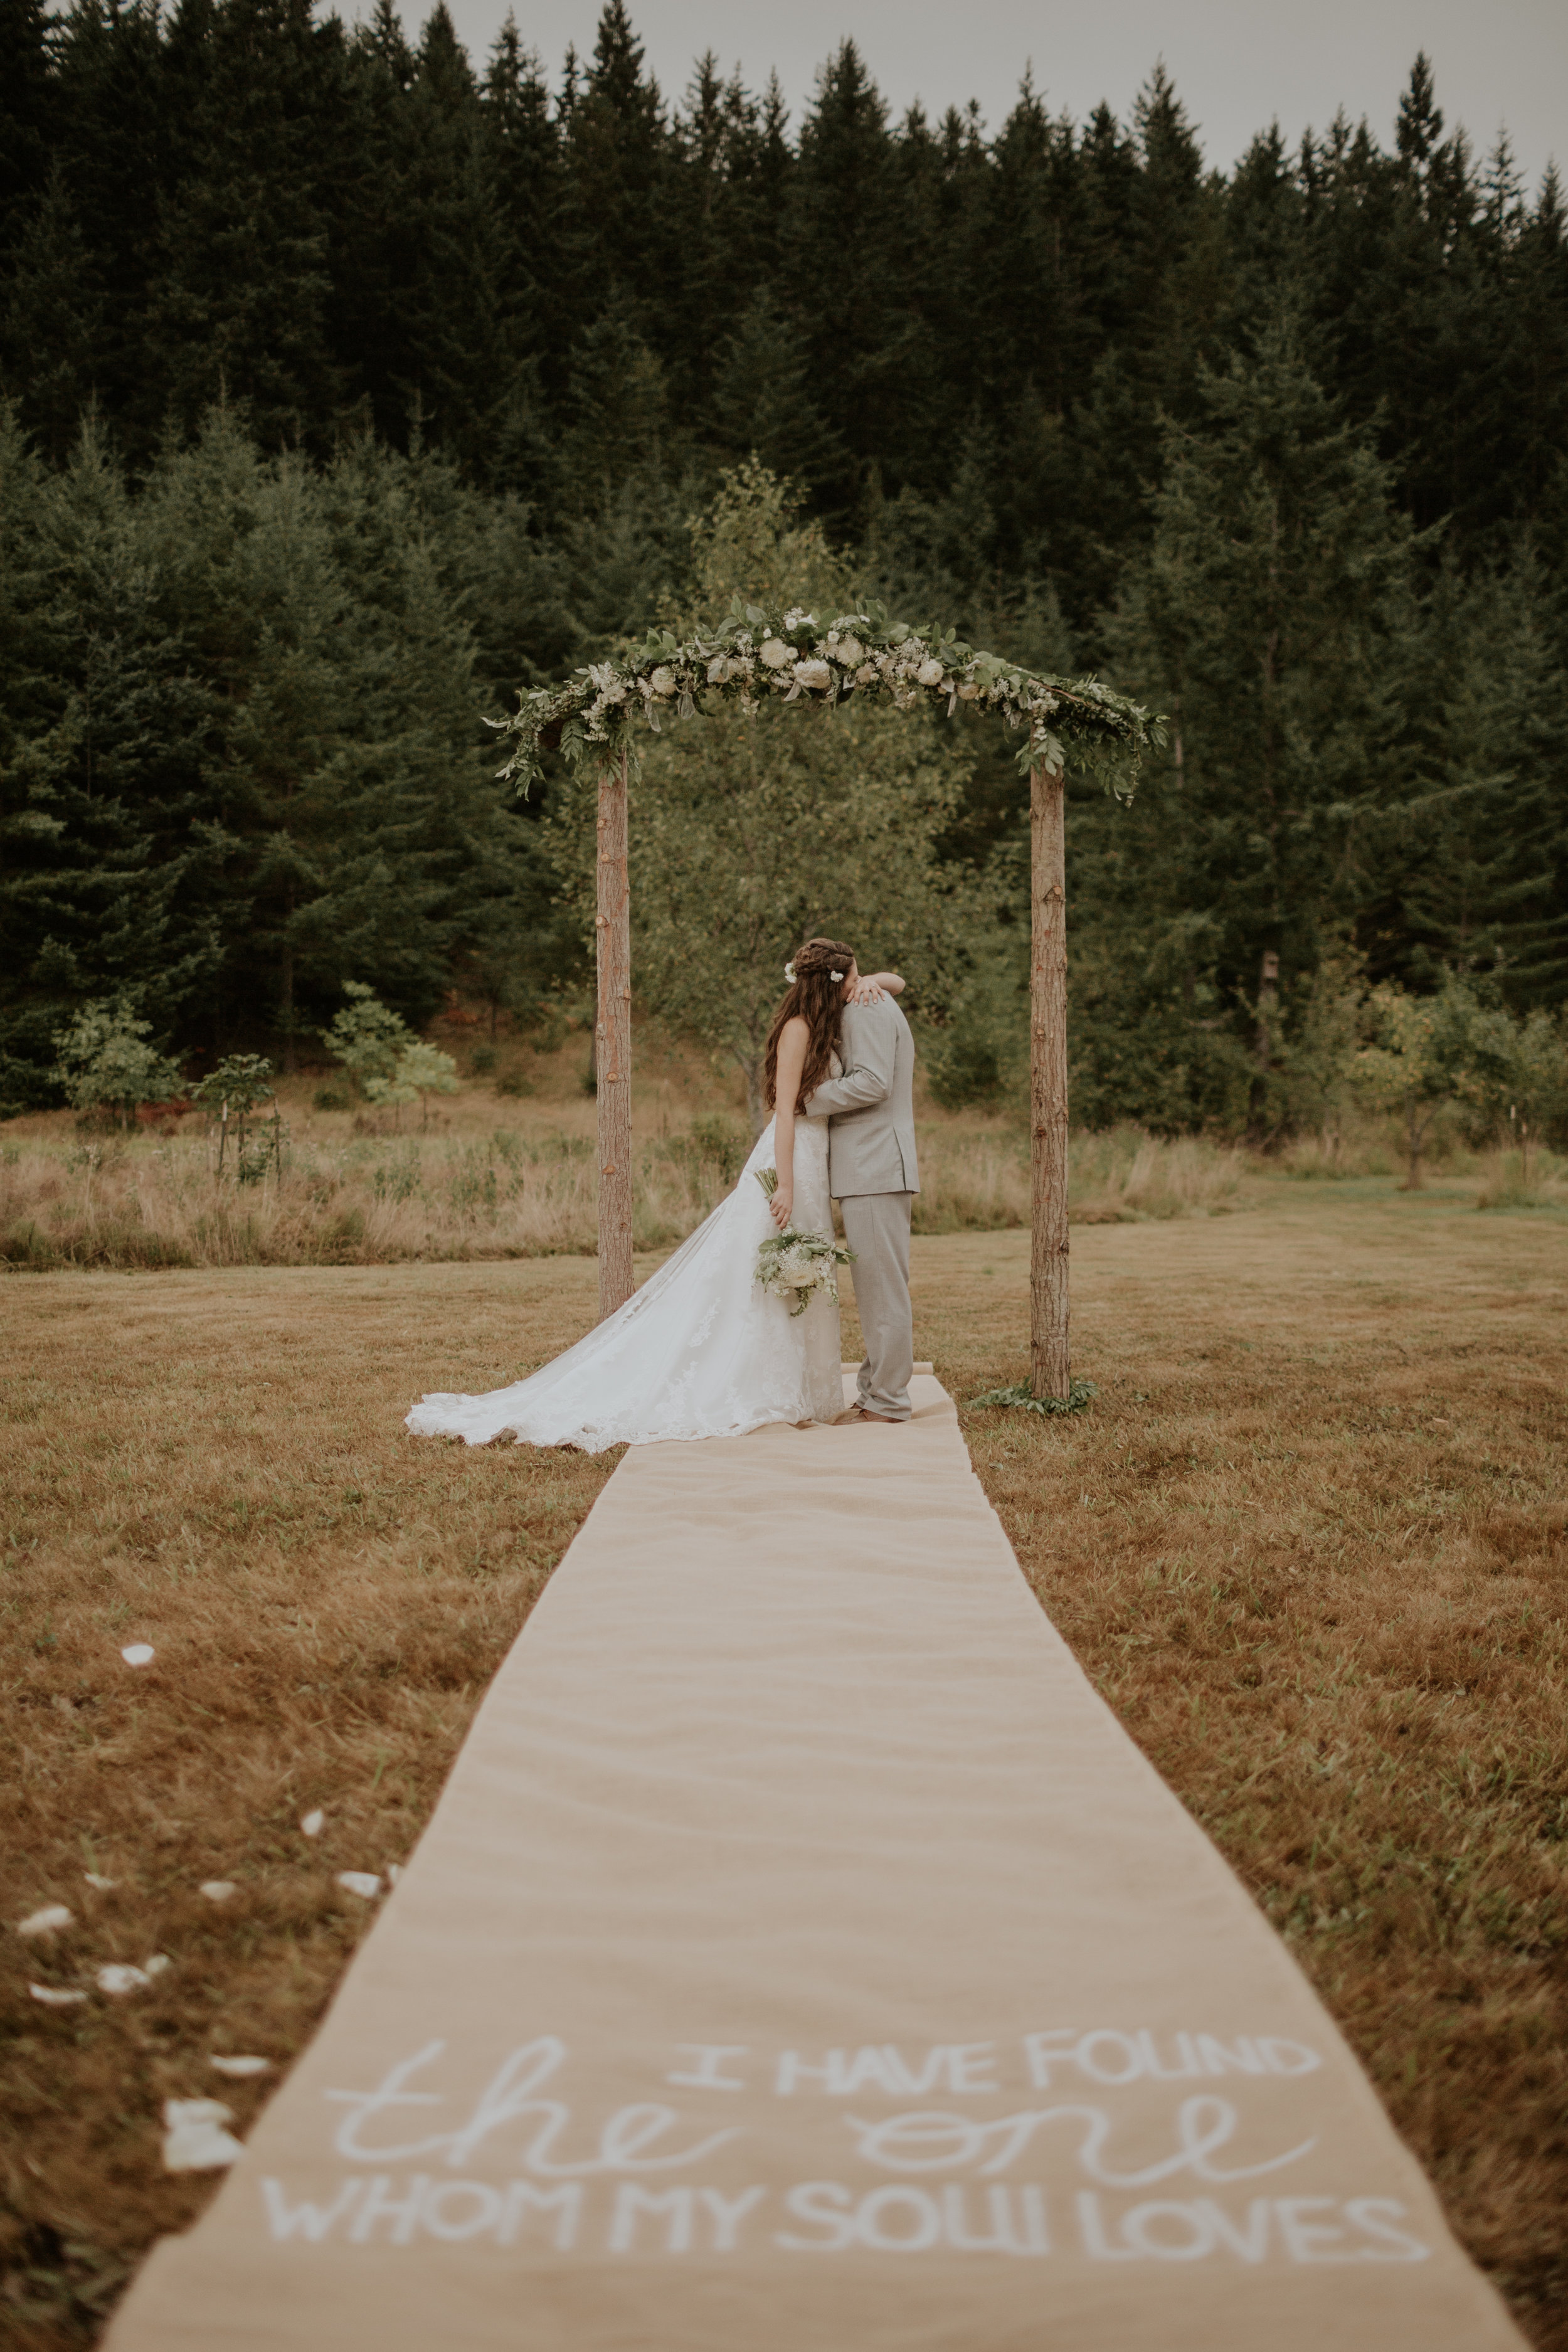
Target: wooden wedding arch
x=756, y=655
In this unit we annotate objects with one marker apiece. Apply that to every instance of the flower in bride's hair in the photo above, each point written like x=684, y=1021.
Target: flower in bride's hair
x=835, y=975
x=789, y=971
x=775, y=654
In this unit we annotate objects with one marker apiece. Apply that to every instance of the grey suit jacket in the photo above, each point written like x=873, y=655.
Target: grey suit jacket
x=871, y=1140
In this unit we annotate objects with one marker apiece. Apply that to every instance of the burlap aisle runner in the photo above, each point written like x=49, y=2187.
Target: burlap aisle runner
x=801, y=1959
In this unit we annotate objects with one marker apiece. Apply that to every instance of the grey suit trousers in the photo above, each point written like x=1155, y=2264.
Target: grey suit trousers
x=876, y=1227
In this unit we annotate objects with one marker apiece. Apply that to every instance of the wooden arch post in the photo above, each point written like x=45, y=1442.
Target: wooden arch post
x=613, y=1041
x=1051, y=1362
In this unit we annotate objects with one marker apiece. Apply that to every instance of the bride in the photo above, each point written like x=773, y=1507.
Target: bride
x=701, y=1350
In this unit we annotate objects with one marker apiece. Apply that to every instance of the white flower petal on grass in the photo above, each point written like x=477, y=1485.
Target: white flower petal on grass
x=120, y=1976
x=195, y=2139
x=139, y=1654
x=314, y=1823
x=54, y=1996
x=241, y=2066
x=45, y=1922
x=156, y=1965
x=102, y=1884
x=218, y=1890
x=360, y=1882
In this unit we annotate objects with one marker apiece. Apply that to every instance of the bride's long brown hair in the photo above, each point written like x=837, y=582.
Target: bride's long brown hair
x=816, y=994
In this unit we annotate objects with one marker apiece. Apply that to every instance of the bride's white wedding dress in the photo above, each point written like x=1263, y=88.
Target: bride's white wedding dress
x=701, y=1351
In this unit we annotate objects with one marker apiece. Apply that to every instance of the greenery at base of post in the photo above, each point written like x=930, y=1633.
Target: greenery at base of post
x=1022, y=1397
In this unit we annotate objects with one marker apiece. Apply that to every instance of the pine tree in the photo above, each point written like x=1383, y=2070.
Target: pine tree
x=52, y=320
x=1268, y=623
x=849, y=258
x=28, y=110
x=239, y=306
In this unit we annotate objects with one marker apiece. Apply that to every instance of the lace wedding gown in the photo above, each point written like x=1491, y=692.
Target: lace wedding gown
x=701, y=1351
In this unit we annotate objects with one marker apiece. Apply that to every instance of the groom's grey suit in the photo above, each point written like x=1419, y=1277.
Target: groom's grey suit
x=873, y=1176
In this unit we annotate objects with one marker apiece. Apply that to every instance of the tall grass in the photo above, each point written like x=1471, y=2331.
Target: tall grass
x=366, y=1199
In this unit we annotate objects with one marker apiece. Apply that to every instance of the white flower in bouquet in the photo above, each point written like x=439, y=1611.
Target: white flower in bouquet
x=775, y=654
x=795, y=1266
x=814, y=673
x=930, y=671
x=663, y=680
x=867, y=675
x=797, y=616
x=849, y=650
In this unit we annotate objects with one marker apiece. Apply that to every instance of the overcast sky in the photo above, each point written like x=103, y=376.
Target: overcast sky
x=1236, y=63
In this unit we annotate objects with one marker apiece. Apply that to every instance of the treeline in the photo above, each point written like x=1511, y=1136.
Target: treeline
x=351, y=387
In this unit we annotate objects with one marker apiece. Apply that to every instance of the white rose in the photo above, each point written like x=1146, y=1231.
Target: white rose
x=930, y=672
x=776, y=655
x=814, y=673
x=663, y=679
x=849, y=651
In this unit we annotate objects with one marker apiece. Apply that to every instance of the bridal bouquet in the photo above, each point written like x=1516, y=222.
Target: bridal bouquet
x=793, y=1264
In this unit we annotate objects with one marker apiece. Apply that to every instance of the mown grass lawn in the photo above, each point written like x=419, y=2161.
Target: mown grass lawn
x=1310, y=1542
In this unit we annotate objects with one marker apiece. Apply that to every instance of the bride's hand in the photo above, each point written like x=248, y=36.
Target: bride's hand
x=865, y=991
x=782, y=1206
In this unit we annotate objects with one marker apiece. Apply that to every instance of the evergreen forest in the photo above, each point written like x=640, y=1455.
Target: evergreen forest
x=349, y=383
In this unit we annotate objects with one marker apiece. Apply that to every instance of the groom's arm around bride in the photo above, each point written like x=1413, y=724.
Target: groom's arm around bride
x=874, y=1176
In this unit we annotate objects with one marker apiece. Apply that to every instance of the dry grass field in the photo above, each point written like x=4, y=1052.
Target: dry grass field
x=500, y=1175
x=1310, y=1541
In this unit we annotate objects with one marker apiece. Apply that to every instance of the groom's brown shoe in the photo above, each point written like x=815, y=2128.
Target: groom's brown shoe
x=859, y=1413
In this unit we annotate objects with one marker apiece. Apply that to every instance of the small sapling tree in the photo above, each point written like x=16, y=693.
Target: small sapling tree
x=389, y=1062
x=1423, y=1053
x=106, y=1063
x=231, y=1097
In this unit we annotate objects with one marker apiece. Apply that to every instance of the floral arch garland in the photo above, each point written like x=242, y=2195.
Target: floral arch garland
x=755, y=656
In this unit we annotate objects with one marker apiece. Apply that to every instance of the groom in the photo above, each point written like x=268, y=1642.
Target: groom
x=873, y=1177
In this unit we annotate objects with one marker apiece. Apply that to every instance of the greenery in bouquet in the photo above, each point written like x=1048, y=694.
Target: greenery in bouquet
x=795, y=1265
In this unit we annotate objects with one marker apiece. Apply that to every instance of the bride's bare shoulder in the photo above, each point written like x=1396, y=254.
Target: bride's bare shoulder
x=796, y=1029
